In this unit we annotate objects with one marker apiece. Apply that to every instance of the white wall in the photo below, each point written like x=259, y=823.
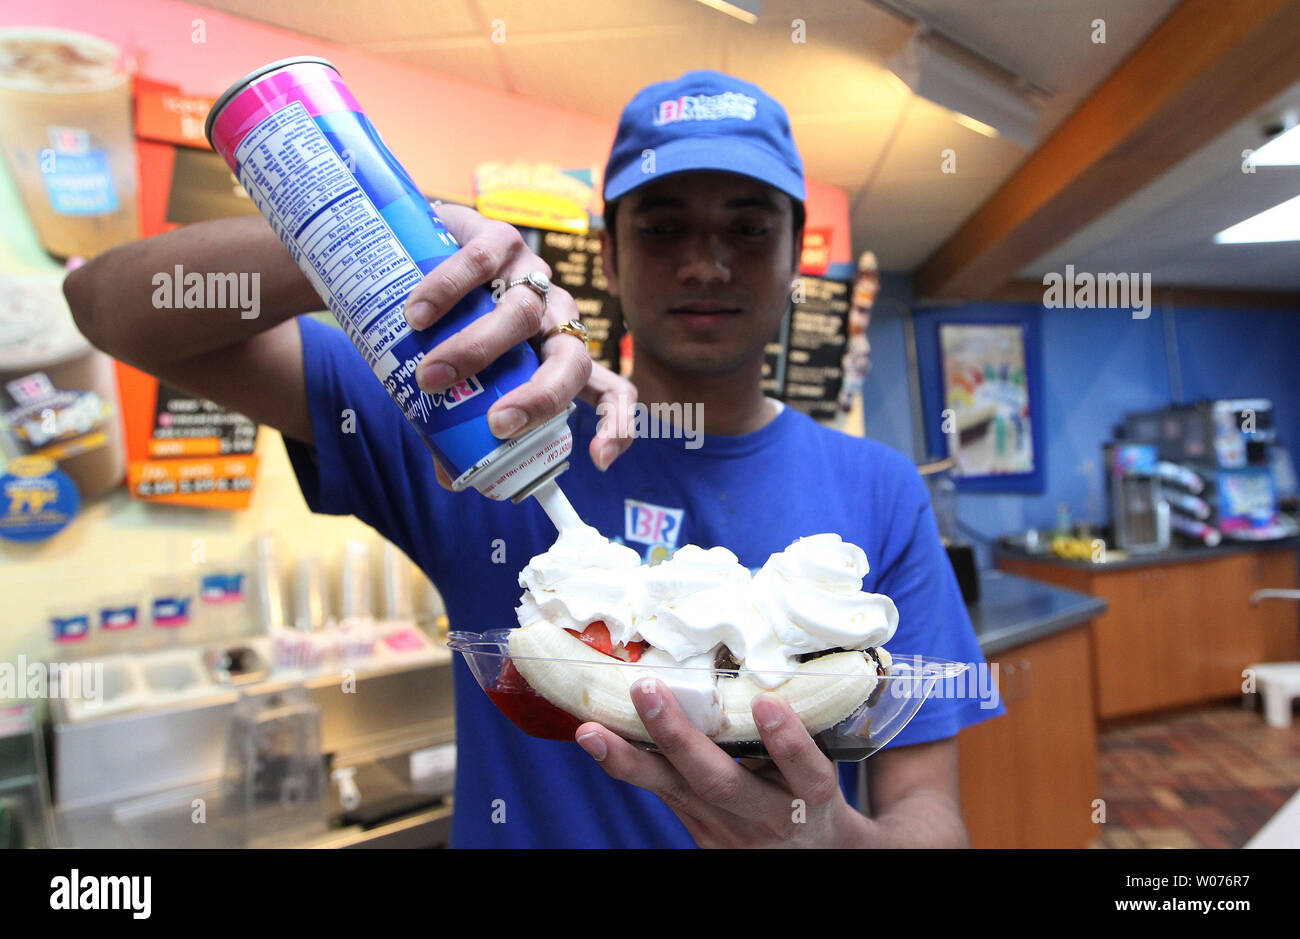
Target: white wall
x=117, y=541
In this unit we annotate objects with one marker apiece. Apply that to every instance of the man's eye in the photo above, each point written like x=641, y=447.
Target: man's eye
x=755, y=230
x=659, y=230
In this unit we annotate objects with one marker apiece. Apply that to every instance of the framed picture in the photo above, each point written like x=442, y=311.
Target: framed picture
x=985, y=384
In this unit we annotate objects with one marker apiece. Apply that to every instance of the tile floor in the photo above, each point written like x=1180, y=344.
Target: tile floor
x=1205, y=778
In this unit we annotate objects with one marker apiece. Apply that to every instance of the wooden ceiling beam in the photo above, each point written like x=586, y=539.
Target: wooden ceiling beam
x=1031, y=291
x=1202, y=70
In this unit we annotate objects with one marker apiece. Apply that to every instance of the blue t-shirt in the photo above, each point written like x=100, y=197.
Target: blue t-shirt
x=754, y=494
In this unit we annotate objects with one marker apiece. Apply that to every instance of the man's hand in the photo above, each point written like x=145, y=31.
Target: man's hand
x=794, y=801
x=491, y=251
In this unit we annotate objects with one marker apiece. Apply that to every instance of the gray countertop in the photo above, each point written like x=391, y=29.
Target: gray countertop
x=1013, y=610
x=1174, y=555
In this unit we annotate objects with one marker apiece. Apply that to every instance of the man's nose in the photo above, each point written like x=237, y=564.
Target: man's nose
x=706, y=259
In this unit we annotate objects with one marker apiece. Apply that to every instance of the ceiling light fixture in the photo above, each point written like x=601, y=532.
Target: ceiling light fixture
x=1283, y=149
x=971, y=124
x=953, y=77
x=1280, y=223
x=745, y=10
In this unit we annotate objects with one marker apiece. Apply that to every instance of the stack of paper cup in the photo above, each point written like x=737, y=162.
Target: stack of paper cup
x=398, y=604
x=309, y=593
x=354, y=582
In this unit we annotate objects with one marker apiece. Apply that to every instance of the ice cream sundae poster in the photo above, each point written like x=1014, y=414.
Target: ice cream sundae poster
x=987, y=417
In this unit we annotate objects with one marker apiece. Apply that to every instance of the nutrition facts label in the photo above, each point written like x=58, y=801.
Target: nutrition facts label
x=330, y=226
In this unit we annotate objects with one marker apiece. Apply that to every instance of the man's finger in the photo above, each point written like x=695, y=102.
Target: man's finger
x=515, y=319
x=651, y=772
x=492, y=248
x=807, y=772
x=715, y=777
x=557, y=381
x=616, y=429
x=615, y=400
x=444, y=478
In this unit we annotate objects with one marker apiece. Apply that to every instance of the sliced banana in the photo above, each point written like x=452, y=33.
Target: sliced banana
x=823, y=692
x=591, y=692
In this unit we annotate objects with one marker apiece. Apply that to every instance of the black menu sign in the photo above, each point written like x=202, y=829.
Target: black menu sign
x=774, y=360
x=814, y=347
x=575, y=266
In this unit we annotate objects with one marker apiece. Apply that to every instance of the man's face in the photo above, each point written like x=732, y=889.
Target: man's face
x=703, y=268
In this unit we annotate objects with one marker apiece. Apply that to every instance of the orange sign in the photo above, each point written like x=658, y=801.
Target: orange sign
x=165, y=114
x=816, y=257
x=183, y=450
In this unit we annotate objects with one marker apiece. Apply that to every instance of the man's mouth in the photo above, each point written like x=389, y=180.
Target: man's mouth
x=704, y=314
x=703, y=307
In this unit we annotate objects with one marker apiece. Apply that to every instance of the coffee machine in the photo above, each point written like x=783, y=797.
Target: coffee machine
x=1231, y=447
x=1139, y=511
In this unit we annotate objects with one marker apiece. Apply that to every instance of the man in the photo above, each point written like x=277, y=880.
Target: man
x=704, y=193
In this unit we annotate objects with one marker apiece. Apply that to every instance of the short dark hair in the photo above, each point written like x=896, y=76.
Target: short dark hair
x=798, y=214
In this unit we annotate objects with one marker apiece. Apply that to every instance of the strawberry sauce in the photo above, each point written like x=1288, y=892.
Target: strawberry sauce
x=529, y=711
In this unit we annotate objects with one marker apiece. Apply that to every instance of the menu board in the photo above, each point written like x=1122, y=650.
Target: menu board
x=814, y=347
x=774, y=361
x=803, y=364
x=185, y=450
x=575, y=266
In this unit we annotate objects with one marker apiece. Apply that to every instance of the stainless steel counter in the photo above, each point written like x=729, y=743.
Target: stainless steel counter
x=152, y=776
x=1014, y=610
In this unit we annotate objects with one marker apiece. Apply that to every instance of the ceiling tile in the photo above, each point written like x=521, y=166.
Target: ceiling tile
x=593, y=55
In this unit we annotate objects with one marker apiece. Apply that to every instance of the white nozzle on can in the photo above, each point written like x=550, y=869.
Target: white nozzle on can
x=557, y=507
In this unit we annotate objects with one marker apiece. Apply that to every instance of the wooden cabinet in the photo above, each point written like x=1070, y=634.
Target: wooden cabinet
x=1278, y=621
x=1180, y=633
x=1028, y=778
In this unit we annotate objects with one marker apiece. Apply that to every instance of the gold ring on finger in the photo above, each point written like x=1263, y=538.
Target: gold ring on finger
x=571, y=328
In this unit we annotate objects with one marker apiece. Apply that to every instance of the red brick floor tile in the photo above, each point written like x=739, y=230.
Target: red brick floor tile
x=1209, y=777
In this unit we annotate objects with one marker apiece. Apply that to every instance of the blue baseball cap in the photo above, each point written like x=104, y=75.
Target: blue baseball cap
x=704, y=120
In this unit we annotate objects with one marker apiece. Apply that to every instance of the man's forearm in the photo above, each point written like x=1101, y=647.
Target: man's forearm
x=130, y=301
x=921, y=820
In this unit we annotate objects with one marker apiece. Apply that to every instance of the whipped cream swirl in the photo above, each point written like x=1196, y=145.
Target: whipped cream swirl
x=806, y=599
x=812, y=596
x=582, y=578
x=698, y=600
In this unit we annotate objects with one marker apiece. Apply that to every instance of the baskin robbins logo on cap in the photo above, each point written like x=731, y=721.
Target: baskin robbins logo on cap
x=706, y=108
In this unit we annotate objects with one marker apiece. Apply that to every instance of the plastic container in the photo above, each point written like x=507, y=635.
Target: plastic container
x=174, y=675
x=58, y=394
x=65, y=129
x=875, y=721
x=119, y=687
x=274, y=784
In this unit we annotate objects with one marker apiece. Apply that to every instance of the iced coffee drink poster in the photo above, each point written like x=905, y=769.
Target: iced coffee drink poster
x=986, y=399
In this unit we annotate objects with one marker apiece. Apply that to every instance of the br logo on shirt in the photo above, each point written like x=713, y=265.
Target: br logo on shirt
x=651, y=524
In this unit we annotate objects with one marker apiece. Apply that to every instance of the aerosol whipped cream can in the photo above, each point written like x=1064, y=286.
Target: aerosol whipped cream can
x=356, y=224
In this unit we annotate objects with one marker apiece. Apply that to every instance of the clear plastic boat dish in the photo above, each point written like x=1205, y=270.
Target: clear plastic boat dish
x=893, y=702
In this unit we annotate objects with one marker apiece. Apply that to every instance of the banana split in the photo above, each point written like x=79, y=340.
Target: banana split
x=715, y=635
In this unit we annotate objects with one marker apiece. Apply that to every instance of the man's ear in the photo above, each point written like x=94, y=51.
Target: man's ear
x=798, y=253
x=609, y=261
